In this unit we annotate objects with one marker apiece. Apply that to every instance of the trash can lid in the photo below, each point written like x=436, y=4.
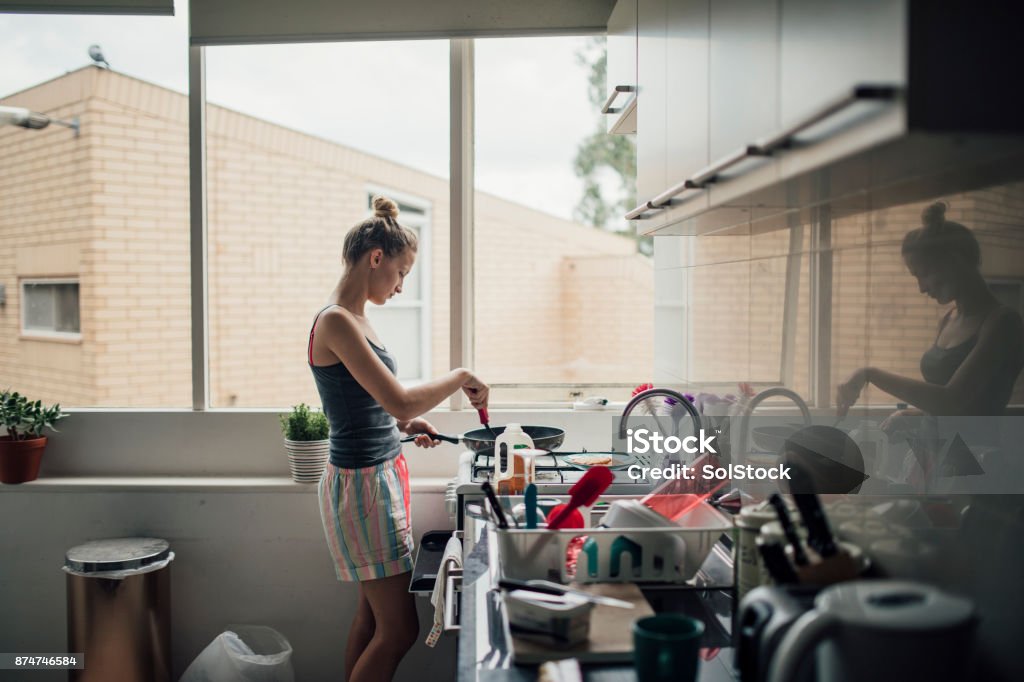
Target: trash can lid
x=116, y=554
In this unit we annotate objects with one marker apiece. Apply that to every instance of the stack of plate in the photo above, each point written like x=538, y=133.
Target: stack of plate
x=306, y=459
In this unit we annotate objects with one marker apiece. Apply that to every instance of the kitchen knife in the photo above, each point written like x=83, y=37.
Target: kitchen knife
x=547, y=587
x=499, y=513
x=819, y=536
x=776, y=562
x=799, y=556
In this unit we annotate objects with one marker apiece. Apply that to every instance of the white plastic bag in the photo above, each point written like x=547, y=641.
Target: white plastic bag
x=246, y=653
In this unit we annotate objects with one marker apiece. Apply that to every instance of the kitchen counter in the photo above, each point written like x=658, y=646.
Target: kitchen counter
x=484, y=654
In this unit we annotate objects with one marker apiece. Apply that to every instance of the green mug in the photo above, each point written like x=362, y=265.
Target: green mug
x=666, y=647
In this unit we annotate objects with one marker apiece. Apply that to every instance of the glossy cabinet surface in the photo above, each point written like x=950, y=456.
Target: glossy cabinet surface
x=686, y=101
x=743, y=75
x=621, y=65
x=829, y=46
x=651, y=132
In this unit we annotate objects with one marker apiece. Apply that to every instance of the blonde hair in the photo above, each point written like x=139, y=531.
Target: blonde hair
x=382, y=231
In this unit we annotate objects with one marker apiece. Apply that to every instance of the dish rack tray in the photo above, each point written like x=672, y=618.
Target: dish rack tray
x=670, y=554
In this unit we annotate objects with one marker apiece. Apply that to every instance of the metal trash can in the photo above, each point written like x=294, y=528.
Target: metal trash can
x=119, y=609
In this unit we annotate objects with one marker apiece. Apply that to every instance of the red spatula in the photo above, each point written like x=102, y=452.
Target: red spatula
x=585, y=492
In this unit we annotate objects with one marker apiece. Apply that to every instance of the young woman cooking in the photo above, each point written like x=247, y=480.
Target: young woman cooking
x=364, y=491
x=977, y=355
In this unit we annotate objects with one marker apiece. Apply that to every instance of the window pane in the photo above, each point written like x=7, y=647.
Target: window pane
x=562, y=297
x=107, y=207
x=67, y=307
x=51, y=307
x=39, y=308
x=401, y=329
x=300, y=136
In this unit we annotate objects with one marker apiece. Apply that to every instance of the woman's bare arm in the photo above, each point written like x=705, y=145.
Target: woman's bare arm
x=997, y=350
x=343, y=336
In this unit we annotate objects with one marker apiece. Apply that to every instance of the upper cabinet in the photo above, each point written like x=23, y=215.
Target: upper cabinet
x=752, y=109
x=828, y=47
x=743, y=73
x=621, y=68
x=651, y=96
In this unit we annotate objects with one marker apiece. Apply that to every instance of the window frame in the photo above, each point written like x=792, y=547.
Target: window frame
x=44, y=334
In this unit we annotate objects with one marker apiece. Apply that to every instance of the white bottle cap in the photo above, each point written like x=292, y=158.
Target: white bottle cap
x=513, y=428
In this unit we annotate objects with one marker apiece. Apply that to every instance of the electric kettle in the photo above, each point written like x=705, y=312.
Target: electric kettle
x=880, y=630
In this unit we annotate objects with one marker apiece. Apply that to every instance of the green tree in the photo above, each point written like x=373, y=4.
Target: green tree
x=600, y=154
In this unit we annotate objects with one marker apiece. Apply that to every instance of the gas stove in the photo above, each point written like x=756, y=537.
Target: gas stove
x=554, y=477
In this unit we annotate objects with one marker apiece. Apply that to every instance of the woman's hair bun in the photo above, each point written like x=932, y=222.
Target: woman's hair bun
x=384, y=207
x=935, y=215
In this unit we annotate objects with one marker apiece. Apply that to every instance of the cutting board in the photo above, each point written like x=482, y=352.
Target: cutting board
x=611, y=630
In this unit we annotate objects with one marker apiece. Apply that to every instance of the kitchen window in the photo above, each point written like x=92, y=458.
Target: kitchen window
x=288, y=175
x=563, y=294
x=94, y=226
x=50, y=309
x=405, y=322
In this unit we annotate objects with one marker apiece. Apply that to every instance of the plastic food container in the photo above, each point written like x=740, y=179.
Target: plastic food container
x=561, y=620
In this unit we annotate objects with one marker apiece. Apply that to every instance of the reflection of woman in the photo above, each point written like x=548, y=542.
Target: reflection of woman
x=973, y=364
x=364, y=491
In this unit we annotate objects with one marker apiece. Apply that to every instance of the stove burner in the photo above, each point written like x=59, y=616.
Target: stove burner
x=550, y=468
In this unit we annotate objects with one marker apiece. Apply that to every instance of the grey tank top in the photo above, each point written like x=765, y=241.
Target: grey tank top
x=363, y=434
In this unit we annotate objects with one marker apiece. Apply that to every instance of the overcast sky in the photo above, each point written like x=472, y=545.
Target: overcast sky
x=389, y=99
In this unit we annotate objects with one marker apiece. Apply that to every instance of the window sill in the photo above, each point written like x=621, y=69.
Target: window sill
x=190, y=484
x=67, y=340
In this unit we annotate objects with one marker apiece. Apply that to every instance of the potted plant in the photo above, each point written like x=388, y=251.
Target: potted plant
x=21, y=449
x=305, y=441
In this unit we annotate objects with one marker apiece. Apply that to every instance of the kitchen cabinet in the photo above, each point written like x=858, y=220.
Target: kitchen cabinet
x=772, y=107
x=743, y=78
x=651, y=119
x=686, y=101
x=621, y=104
x=829, y=46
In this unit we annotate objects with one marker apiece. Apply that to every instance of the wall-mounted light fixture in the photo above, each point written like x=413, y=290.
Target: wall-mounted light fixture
x=32, y=120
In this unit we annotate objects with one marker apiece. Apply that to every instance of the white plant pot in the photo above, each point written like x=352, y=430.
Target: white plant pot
x=306, y=459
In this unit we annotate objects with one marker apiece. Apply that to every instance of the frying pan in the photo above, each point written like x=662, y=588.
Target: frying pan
x=477, y=440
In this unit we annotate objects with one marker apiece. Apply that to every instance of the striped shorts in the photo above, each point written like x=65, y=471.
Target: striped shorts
x=366, y=519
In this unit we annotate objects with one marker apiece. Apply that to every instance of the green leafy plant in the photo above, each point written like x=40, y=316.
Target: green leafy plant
x=24, y=419
x=305, y=424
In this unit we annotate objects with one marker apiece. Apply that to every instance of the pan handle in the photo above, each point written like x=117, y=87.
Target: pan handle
x=436, y=436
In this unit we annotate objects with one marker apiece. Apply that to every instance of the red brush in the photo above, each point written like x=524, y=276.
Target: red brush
x=584, y=493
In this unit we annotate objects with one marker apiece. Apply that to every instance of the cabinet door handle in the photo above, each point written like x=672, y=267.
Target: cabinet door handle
x=607, y=108
x=765, y=146
x=858, y=93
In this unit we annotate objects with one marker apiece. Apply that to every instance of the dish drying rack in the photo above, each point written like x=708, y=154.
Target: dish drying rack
x=668, y=554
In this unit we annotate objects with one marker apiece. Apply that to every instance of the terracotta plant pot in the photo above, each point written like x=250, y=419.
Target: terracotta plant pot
x=19, y=459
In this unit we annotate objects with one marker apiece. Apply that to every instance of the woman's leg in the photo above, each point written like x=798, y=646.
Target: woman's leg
x=360, y=633
x=396, y=628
